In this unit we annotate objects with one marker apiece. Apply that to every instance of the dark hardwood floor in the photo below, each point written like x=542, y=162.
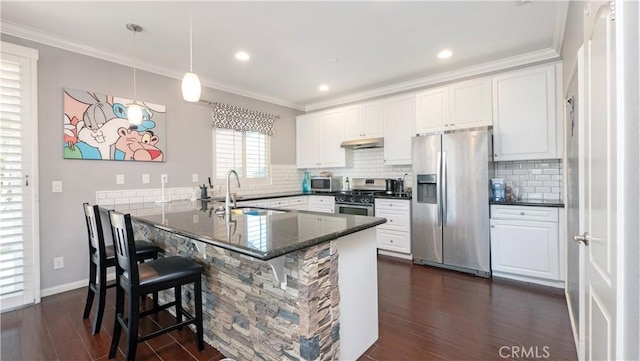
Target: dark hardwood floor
x=425, y=314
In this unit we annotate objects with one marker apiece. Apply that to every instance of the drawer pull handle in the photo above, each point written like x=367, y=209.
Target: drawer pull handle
x=522, y=213
x=391, y=240
x=391, y=220
x=493, y=226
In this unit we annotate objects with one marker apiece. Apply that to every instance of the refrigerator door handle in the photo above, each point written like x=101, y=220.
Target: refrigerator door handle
x=443, y=196
x=438, y=189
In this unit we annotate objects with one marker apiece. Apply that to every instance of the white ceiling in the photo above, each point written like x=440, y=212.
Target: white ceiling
x=357, y=48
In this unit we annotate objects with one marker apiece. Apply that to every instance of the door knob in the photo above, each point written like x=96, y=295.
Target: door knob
x=582, y=238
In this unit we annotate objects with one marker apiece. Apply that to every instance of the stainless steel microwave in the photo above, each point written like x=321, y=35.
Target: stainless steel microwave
x=326, y=184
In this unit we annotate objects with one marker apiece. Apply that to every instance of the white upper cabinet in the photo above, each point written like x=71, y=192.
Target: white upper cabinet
x=306, y=139
x=363, y=121
x=460, y=105
x=525, y=115
x=432, y=110
x=399, y=120
x=470, y=104
x=318, y=138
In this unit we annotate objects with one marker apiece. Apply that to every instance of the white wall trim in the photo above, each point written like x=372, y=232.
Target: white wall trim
x=471, y=71
x=72, y=286
x=64, y=287
x=31, y=34
x=560, y=25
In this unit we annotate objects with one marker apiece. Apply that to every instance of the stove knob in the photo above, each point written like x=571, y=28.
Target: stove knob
x=352, y=199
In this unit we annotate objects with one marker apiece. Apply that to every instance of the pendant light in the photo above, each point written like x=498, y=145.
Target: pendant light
x=134, y=110
x=191, y=83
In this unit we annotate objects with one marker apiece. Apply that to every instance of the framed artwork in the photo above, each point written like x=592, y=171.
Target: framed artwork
x=96, y=127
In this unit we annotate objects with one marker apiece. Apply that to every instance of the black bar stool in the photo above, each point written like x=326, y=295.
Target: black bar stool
x=140, y=279
x=100, y=258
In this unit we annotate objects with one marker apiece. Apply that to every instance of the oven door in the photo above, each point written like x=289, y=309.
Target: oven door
x=356, y=209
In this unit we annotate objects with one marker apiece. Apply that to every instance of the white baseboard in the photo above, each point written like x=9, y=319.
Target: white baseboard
x=71, y=286
x=63, y=288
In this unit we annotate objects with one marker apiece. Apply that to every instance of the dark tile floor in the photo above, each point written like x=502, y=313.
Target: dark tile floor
x=425, y=314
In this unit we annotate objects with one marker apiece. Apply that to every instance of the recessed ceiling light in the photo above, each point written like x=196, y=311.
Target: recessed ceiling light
x=242, y=56
x=323, y=87
x=445, y=54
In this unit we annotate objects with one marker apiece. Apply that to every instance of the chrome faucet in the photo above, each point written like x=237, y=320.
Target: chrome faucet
x=227, y=199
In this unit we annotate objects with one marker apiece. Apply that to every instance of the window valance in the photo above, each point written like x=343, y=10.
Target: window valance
x=242, y=119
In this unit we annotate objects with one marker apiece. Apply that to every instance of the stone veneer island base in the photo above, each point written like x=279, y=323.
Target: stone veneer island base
x=327, y=310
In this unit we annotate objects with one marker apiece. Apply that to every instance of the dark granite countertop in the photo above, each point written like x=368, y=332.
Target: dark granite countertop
x=532, y=203
x=243, y=198
x=261, y=236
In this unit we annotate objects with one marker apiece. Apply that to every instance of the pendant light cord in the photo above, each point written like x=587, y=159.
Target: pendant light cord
x=190, y=39
x=134, y=66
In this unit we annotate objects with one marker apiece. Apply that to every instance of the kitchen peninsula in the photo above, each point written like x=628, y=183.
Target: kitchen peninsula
x=277, y=284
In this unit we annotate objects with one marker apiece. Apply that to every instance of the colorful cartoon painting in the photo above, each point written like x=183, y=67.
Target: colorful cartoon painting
x=96, y=127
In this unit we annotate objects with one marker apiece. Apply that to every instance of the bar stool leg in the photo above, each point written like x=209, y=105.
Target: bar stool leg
x=132, y=327
x=100, y=302
x=90, y=292
x=197, y=289
x=117, y=327
x=178, y=296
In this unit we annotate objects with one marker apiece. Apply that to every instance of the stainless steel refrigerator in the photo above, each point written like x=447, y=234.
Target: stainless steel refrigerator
x=450, y=214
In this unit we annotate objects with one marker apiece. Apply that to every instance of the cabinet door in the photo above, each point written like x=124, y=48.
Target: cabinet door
x=352, y=123
x=524, y=114
x=471, y=104
x=432, y=110
x=306, y=141
x=372, y=120
x=330, y=127
x=399, y=120
x=525, y=248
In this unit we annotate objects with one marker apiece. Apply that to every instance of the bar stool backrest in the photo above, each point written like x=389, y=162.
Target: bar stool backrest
x=97, y=250
x=125, y=249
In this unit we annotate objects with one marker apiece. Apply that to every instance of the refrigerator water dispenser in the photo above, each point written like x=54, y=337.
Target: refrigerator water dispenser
x=427, y=188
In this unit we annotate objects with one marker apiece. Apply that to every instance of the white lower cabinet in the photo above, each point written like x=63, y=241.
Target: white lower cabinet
x=395, y=235
x=525, y=244
x=324, y=204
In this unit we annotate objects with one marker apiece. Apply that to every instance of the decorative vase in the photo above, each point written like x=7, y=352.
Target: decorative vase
x=306, y=183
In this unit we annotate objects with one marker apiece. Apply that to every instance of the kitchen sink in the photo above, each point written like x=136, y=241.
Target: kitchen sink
x=251, y=211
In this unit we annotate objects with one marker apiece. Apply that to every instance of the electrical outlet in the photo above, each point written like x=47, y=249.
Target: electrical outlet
x=58, y=263
x=164, y=178
x=196, y=218
x=56, y=186
x=145, y=179
x=194, y=177
x=120, y=179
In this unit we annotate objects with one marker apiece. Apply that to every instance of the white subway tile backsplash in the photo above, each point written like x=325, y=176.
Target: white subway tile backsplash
x=537, y=179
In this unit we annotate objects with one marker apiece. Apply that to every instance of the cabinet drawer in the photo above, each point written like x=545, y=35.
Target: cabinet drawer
x=321, y=200
x=398, y=220
x=297, y=201
x=278, y=203
x=525, y=213
x=382, y=203
x=394, y=241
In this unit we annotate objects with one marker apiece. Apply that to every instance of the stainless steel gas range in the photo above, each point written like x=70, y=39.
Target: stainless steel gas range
x=360, y=200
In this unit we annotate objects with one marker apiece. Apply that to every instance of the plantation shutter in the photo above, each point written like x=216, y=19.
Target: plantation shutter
x=16, y=164
x=228, y=152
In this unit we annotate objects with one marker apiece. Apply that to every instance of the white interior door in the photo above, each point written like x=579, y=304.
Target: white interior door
x=599, y=200
x=19, y=261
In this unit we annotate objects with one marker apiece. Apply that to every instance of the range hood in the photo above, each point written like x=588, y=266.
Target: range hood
x=363, y=143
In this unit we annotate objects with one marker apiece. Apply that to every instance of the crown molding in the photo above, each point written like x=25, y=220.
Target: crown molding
x=31, y=34
x=560, y=25
x=471, y=71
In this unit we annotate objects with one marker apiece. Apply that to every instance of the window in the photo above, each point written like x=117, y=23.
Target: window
x=246, y=152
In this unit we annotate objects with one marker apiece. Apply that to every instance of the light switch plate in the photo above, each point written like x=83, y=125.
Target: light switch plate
x=120, y=179
x=164, y=178
x=56, y=186
x=145, y=178
x=194, y=177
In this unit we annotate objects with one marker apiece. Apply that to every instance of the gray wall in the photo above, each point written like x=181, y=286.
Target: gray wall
x=62, y=228
x=573, y=39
